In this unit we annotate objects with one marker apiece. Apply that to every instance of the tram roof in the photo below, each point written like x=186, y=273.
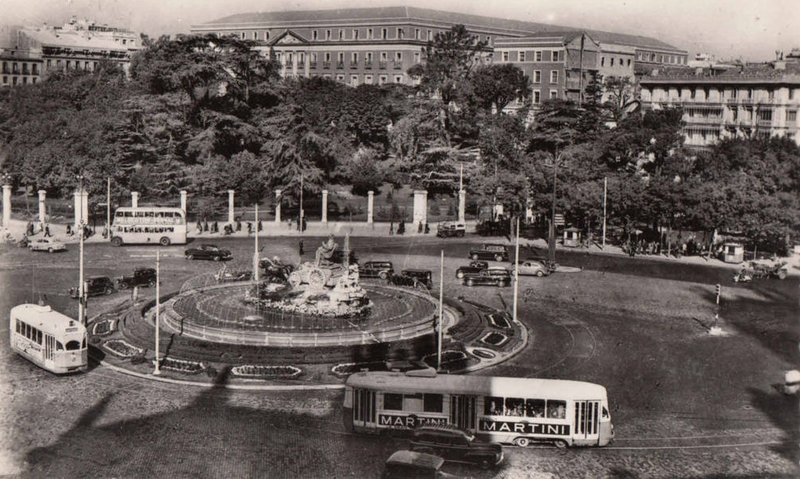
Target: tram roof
x=45, y=319
x=484, y=385
x=149, y=208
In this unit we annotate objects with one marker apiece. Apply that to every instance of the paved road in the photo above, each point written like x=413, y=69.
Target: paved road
x=684, y=404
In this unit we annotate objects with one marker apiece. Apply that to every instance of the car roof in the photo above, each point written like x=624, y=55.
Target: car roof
x=416, y=459
x=496, y=268
x=98, y=277
x=412, y=270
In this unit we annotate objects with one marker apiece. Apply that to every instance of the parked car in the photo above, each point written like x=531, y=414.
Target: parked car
x=472, y=268
x=413, y=277
x=376, y=269
x=207, y=251
x=225, y=275
x=140, y=277
x=453, y=444
x=532, y=268
x=551, y=266
x=416, y=465
x=447, y=230
x=95, y=286
x=492, y=276
x=490, y=251
x=46, y=244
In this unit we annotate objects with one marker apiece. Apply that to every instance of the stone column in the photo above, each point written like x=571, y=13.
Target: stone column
x=184, y=203
x=6, y=206
x=462, y=206
x=370, y=206
x=498, y=210
x=135, y=199
x=81, y=207
x=42, y=208
x=420, y=209
x=277, y=206
x=307, y=64
x=231, y=219
x=294, y=63
x=324, y=206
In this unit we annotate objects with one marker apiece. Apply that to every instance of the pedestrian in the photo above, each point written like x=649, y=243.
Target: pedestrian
x=238, y=225
x=47, y=231
x=305, y=223
x=391, y=228
x=205, y=226
x=401, y=228
x=29, y=229
x=419, y=227
x=260, y=226
x=199, y=226
x=215, y=227
x=249, y=228
x=427, y=228
x=69, y=229
x=300, y=247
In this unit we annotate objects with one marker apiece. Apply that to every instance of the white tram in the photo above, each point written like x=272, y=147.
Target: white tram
x=506, y=410
x=48, y=338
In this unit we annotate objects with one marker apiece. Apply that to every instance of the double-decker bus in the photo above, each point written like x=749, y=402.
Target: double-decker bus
x=148, y=225
x=47, y=338
x=516, y=411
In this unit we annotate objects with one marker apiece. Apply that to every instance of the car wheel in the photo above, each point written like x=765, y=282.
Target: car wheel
x=49, y=250
x=164, y=241
x=540, y=273
x=217, y=258
x=150, y=284
x=475, y=257
x=470, y=282
x=122, y=285
x=116, y=241
x=189, y=256
x=560, y=443
x=781, y=274
x=522, y=441
x=459, y=274
x=485, y=464
x=382, y=275
x=498, y=258
x=108, y=291
x=460, y=234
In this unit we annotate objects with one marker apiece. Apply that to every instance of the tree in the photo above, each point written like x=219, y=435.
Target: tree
x=243, y=172
x=363, y=170
x=498, y=85
x=622, y=99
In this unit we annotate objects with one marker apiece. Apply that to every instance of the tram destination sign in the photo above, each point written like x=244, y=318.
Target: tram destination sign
x=488, y=425
x=411, y=421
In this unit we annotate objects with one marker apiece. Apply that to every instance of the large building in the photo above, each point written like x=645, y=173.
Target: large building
x=28, y=54
x=727, y=100
x=379, y=45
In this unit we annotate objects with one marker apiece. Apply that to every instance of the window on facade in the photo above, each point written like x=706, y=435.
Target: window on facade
x=537, y=97
x=602, y=61
x=327, y=56
x=611, y=61
x=537, y=76
x=340, y=78
x=553, y=94
x=505, y=56
x=488, y=40
x=556, y=56
x=355, y=34
x=401, y=33
x=791, y=116
x=430, y=35
x=398, y=79
x=327, y=34
x=354, y=58
x=314, y=35
x=417, y=34
x=266, y=36
x=313, y=57
x=765, y=115
x=301, y=57
x=398, y=57
x=353, y=80
x=382, y=80
x=537, y=56
x=554, y=76
x=368, y=79
x=370, y=33
x=384, y=33
x=629, y=62
x=521, y=56
x=416, y=57
x=384, y=56
x=341, y=34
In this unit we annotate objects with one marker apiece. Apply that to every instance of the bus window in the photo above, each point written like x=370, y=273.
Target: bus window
x=18, y=326
x=59, y=346
x=514, y=406
x=432, y=403
x=38, y=336
x=556, y=409
x=393, y=401
x=493, y=406
x=534, y=408
x=73, y=345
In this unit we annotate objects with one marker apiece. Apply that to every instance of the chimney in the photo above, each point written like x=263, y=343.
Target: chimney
x=779, y=65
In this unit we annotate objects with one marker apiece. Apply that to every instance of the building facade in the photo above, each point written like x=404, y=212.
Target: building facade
x=379, y=45
x=30, y=53
x=729, y=101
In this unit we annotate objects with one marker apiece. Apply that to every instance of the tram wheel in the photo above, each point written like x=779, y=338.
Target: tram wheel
x=164, y=241
x=522, y=441
x=561, y=444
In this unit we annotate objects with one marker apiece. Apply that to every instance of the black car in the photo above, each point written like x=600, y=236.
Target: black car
x=414, y=465
x=376, y=269
x=456, y=445
x=490, y=251
x=413, y=277
x=95, y=286
x=447, y=230
x=140, y=277
x=472, y=268
x=207, y=251
x=492, y=276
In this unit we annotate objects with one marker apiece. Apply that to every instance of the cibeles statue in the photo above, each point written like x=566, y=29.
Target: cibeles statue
x=325, y=252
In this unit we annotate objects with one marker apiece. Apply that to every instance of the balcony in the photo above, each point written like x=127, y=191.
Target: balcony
x=312, y=64
x=326, y=65
x=368, y=64
x=382, y=65
x=354, y=65
x=397, y=65
x=764, y=122
x=340, y=65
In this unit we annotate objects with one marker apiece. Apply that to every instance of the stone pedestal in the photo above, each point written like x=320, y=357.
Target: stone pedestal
x=462, y=206
x=324, y=206
x=135, y=199
x=231, y=218
x=278, y=206
x=42, y=208
x=81, y=208
x=184, y=203
x=370, y=206
x=420, y=209
x=498, y=211
x=6, y=206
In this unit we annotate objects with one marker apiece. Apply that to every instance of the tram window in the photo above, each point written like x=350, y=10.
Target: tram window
x=73, y=345
x=493, y=406
x=27, y=329
x=534, y=408
x=18, y=326
x=393, y=401
x=605, y=412
x=514, y=406
x=556, y=409
x=38, y=336
x=59, y=346
x=83, y=344
x=432, y=403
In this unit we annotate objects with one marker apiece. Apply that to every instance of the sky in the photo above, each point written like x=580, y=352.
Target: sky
x=729, y=29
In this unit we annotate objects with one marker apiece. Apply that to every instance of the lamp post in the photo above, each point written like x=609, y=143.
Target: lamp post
x=157, y=369
x=108, y=208
x=552, y=236
x=81, y=286
x=300, y=224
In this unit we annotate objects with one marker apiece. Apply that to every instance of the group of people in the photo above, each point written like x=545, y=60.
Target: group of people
x=401, y=228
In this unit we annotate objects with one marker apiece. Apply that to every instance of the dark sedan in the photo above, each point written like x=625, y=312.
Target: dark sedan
x=493, y=276
x=472, y=268
x=207, y=251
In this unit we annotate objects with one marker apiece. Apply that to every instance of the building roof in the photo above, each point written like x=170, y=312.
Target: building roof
x=83, y=40
x=773, y=72
x=363, y=15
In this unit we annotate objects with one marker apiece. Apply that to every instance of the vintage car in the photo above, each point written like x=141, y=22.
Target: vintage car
x=226, y=275
x=140, y=277
x=531, y=268
x=417, y=465
x=472, y=268
x=447, y=230
x=376, y=269
x=492, y=276
x=46, y=244
x=207, y=251
x=413, y=277
x=455, y=445
x=490, y=251
x=95, y=286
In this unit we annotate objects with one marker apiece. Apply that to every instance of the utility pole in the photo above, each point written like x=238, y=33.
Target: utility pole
x=516, y=272
x=157, y=370
x=552, y=245
x=108, y=208
x=81, y=285
x=441, y=315
x=301, y=204
x=255, y=253
x=605, y=194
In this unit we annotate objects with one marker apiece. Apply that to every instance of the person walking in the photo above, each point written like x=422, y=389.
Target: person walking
x=47, y=231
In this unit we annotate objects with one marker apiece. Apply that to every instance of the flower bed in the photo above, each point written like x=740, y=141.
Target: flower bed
x=346, y=369
x=495, y=339
x=257, y=371
x=122, y=349
x=448, y=356
x=181, y=365
x=104, y=328
x=499, y=321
